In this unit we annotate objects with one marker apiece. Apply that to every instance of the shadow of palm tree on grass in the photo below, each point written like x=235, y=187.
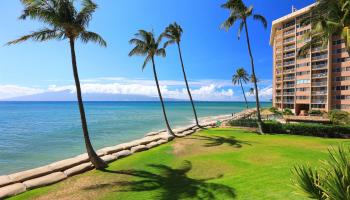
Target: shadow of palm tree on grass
x=213, y=141
x=173, y=184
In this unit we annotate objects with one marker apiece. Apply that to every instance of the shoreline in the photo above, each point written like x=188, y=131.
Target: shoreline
x=22, y=181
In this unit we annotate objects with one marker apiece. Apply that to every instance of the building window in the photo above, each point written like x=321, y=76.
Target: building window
x=303, y=81
x=342, y=78
x=343, y=87
x=303, y=73
x=336, y=42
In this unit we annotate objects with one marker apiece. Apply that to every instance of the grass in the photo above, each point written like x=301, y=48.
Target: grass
x=213, y=164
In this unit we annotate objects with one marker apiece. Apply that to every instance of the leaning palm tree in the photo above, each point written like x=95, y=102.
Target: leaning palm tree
x=328, y=18
x=174, y=32
x=146, y=45
x=240, y=12
x=238, y=78
x=330, y=182
x=65, y=22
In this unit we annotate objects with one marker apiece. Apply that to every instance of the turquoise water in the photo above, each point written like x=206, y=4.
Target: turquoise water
x=33, y=134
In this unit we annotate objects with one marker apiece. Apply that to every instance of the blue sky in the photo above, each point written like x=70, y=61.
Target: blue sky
x=211, y=55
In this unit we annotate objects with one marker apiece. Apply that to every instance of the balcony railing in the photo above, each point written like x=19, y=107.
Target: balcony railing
x=292, y=39
x=289, y=78
x=320, y=66
x=289, y=55
x=324, y=101
x=289, y=32
x=289, y=47
x=319, y=93
x=289, y=86
x=289, y=63
x=319, y=75
x=319, y=49
x=319, y=57
x=288, y=93
x=289, y=71
x=319, y=84
x=288, y=101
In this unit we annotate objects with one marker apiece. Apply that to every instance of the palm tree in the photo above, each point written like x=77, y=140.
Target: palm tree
x=146, y=45
x=240, y=12
x=65, y=22
x=331, y=181
x=238, y=78
x=328, y=18
x=174, y=32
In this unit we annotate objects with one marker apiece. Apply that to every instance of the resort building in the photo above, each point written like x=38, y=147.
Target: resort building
x=318, y=80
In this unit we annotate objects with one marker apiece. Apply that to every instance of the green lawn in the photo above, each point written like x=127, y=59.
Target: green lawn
x=213, y=164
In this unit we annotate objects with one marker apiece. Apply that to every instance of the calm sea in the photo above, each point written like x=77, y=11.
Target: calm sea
x=33, y=134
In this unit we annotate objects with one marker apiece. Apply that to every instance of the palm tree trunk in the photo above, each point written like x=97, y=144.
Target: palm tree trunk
x=260, y=129
x=245, y=98
x=187, y=87
x=170, y=132
x=95, y=160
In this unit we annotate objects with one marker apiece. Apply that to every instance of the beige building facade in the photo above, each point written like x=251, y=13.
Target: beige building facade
x=318, y=80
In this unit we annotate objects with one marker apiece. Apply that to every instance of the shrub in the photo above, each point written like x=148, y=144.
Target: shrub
x=244, y=123
x=287, y=111
x=330, y=181
x=339, y=117
x=275, y=110
x=319, y=130
x=315, y=112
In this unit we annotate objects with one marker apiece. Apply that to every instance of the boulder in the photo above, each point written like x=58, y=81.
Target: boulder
x=12, y=190
x=162, y=141
x=152, y=145
x=109, y=158
x=45, y=180
x=5, y=180
x=30, y=174
x=155, y=133
x=138, y=148
x=66, y=164
x=83, y=157
x=122, y=154
x=112, y=149
x=79, y=169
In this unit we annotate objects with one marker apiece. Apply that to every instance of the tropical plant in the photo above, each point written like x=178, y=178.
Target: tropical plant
x=251, y=92
x=330, y=182
x=146, y=45
x=328, y=18
x=339, y=117
x=287, y=111
x=65, y=22
x=240, y=12
x=239, y=77
x=174, y=34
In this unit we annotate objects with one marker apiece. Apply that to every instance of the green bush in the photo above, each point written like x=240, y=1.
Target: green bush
x=287, y=111
x=339, y=117
x=244, y=123
x=315, y=112
x=319, y=130
x=275, y=110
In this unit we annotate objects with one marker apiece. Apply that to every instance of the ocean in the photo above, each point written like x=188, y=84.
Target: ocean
x=34, y=134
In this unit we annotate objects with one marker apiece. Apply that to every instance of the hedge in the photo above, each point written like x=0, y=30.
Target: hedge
x=307, y=129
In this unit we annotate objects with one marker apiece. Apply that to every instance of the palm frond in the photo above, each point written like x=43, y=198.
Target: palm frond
x=240, y=29
x=261, y=19
x=40, y=36
x=160, y=52
x=84, y=16
x=229, y=22
x=148, y=58
x=308, y=182
x=88, y=36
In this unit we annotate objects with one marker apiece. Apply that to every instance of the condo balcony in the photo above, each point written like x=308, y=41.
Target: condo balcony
x=289, y=55
x=323, y=75
x=319, y=101
x=288, y=40
x=289, y=71
x=319, y=66
x=288, y=101
x=289, y=32
x=292, y=47
x=288, y=93
x=289, y=63
x=289, y=86
x=320, y=57
x=319, y=84
x=319, y=93
x=318, y=49
x=289, y=78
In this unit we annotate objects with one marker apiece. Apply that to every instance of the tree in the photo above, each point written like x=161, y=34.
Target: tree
x=330, y=182
x=174, y=34
x=328, y=18
x=240, y=12
x=65, y=22
x=146, y=45
x=238, y=78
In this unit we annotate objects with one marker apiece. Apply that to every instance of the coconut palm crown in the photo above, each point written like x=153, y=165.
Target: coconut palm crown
x=174, y=33
x=328, y=18
x=64, y=21
x=239, y=12
x=241, y=76
x=146, y=45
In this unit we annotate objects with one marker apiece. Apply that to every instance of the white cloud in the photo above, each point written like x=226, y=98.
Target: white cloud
x=9, y=91
x=204, y=90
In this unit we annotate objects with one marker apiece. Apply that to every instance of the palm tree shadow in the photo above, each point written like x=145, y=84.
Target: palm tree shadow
x=213, y=141
x=173, y=184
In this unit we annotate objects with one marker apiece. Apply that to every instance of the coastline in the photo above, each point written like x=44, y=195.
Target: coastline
x=20, y=182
